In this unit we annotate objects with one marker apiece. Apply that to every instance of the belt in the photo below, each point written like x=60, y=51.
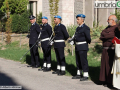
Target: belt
x=44, y=39
x=58, y=40
x=78, y=43
x=108, y=47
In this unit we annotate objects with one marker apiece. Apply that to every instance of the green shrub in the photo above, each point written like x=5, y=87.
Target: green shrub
x=117, y=14
x=25, y=22
x=39, y=18
x=15, y=23
x=20, y=23
x=96, y=31
x=71, y=30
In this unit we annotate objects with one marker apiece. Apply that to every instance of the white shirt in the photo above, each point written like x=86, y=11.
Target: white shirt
x=81, y=25
x=33, y=23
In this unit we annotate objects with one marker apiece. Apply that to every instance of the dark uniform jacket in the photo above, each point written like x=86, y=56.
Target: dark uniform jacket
x=34, y=32
x=60, y=34
x=82, y=34
x=46, y=32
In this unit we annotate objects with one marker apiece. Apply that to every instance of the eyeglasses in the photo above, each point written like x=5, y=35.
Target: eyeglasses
x=110, y=19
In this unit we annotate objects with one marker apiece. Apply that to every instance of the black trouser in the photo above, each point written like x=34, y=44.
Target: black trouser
x=81, y=60
x=34, y=55
x=60, y=57
x=47, y=55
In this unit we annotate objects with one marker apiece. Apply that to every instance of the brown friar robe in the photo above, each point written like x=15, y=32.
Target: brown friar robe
x=107, y=54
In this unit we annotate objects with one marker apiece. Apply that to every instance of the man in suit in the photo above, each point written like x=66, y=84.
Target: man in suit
x=46, y=33
x=81, y=39
x=34, y=33
x=61, y=35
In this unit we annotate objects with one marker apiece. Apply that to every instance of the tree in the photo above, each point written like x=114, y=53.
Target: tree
x=53, y=7
x=1, y=13
x=1, y=3
x=15, y=6
x=8, y=25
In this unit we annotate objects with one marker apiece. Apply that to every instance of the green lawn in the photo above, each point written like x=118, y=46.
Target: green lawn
x=14, y=52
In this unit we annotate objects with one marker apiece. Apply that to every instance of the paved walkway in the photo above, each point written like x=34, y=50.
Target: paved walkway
x=14, y=73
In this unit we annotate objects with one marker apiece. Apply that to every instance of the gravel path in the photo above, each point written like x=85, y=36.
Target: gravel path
x=14, y=73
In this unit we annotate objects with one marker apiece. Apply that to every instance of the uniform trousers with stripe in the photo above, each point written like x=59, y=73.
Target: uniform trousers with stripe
x=81, y=60
x=47, y=56
x=34, y=55
x=60, y=58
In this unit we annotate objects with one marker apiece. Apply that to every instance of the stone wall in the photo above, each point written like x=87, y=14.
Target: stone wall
x=103, y=14
x=78, y=9
x=67, y=12
x=89, y=12
x=68, y=9
x=39, y=6
x=46, y=9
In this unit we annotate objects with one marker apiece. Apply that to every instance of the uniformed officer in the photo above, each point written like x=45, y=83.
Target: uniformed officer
x=61, y=35
x=81, y=39
x=34, y=33
x=46, y=33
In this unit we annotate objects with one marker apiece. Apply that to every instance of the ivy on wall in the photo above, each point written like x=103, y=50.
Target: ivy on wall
x=53, y=4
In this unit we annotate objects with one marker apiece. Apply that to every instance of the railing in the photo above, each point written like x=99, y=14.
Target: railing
x=3, y=36
x=20, y=36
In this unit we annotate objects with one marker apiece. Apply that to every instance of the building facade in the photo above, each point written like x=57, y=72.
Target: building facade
x=35, y=6
x=68, y=9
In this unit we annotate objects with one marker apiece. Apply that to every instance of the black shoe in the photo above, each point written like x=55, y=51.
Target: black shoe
x=37, y=66
x=109, y=85
x=61, y=73
x=47, y=69
x=56, y=72
x=77, y=77
x=41, y=69
x=84, y=79
x=29, y=66
x=104, y=84
x=33, y=66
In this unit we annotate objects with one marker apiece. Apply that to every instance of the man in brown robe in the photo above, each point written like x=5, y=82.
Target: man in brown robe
x=108, y=51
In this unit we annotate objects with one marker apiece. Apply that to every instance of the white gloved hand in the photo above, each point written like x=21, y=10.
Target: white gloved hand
x=72, y=43
x=51, y=43
x=39, y=42
x=73, y=36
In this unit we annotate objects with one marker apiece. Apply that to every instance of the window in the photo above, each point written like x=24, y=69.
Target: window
x=30, y=7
